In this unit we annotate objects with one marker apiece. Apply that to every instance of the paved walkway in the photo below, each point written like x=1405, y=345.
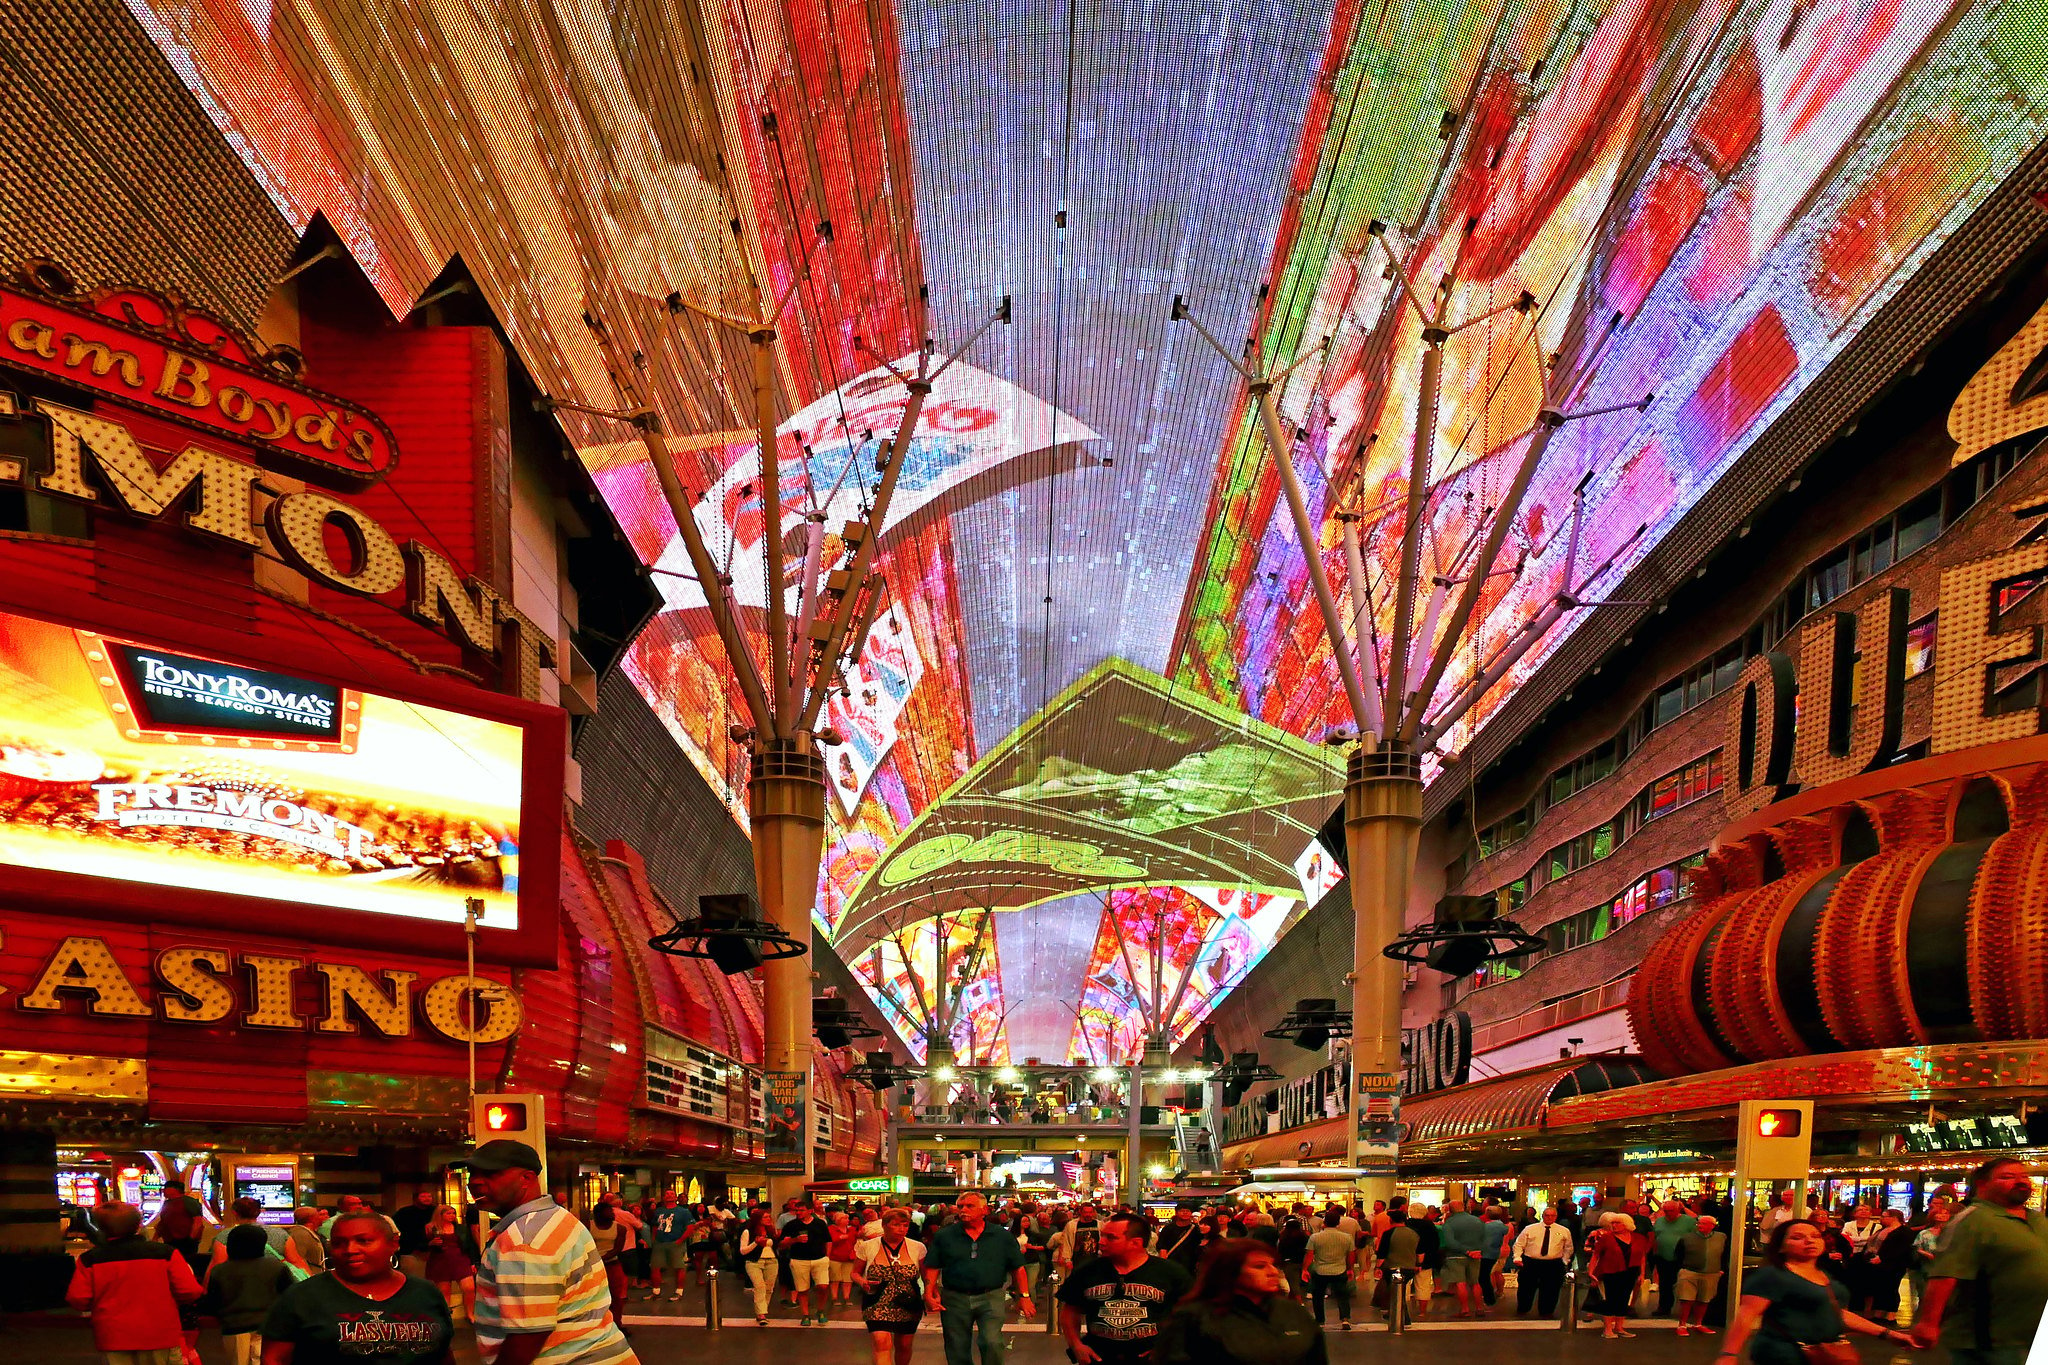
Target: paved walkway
x=58, y=1342
x=669, y=1331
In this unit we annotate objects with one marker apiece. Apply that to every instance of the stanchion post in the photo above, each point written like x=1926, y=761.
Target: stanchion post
x=1571, y=1298
x=1051, y=1280
x=1397, y=1301
x=714, y=1319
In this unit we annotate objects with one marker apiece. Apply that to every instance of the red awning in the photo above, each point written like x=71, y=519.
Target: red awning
x=1518, y=1101
x=1323, y=1141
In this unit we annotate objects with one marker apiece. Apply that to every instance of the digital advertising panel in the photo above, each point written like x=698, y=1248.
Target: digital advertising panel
x=255, y=796
x=1707, y=200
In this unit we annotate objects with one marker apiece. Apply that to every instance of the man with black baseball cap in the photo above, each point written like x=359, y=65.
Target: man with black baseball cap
x=541, y=1292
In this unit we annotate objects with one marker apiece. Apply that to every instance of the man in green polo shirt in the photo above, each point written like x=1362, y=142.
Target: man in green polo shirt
x=966, y=1264
x=1988, y=1281
x=1668, y=1232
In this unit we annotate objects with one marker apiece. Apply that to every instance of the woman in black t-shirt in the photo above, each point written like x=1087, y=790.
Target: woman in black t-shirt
x=363, y=1310
x=1792, y=1301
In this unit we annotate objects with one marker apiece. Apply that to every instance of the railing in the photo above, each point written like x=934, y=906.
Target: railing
x=959, y=1113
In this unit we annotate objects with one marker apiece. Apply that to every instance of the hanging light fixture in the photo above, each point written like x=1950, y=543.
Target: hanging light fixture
x=837, y=1023
x=1466, y=933
x=729, y=931
x=1239, y=1073
x=879, y=1072
x=1312, y=1024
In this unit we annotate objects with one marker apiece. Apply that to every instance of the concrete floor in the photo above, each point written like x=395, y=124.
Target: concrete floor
x=671, y=1332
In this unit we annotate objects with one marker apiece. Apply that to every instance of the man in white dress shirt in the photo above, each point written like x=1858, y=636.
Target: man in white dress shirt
x=1540, y=1253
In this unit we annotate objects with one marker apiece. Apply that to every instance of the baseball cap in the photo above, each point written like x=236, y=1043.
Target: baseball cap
x=503, y=1154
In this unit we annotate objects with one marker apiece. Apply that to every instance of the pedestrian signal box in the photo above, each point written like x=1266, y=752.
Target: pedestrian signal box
x=1774, y=1139
x=522, y=1118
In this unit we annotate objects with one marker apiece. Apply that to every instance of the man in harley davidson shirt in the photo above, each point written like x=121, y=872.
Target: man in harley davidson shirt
x=1111, y=1308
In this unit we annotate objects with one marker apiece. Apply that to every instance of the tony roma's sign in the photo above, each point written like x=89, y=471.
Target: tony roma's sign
x=206, y=985
x=169, y=695
x=150, y=353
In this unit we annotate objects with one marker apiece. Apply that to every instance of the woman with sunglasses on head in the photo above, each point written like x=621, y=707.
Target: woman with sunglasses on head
x=890, y=1273
x=1791, y=1311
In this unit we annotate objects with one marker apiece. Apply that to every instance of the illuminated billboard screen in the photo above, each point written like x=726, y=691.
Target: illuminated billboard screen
x=1706, y=201
x=123, y=760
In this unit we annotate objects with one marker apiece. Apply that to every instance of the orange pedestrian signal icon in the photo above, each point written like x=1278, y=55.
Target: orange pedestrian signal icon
x=1779, y=1123
x=517, y=1117
x=502, y=1117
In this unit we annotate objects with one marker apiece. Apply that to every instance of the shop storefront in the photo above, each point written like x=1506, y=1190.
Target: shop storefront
x=286, y=864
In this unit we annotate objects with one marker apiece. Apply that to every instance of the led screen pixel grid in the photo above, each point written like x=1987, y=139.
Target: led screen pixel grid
x=1742, y=183
x=1706, y=198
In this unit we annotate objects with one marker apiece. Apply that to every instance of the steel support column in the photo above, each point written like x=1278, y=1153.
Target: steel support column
x=1382, y=831
x=786, y=806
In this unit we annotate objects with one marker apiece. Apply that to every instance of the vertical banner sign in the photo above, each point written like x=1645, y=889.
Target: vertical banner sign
x=785, y=1101
x=1376, y=1143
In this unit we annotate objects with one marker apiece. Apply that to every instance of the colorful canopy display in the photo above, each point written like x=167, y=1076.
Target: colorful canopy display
x=1706, y=198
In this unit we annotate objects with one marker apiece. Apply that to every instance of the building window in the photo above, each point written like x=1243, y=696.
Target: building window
x=1679, y=788
x=1828, y=579
x=1697, y=685
x=2014, y=591
x=1507, y=830
x=1653, y=891
x=1583, y=772
x=1584, y=850
x=1920, y=646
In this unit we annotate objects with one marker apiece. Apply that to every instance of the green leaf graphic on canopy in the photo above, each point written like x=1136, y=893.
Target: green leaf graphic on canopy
x=1120, y=781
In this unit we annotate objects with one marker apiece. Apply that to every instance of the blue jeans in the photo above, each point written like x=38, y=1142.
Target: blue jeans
x=964, y=1315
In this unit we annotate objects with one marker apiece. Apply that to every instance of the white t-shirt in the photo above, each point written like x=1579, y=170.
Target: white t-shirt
x=910, y=1253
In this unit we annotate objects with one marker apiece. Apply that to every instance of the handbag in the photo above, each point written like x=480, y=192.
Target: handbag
x=1840, y=1351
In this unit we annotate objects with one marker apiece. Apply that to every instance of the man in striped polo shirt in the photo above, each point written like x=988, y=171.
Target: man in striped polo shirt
x=542, y=1297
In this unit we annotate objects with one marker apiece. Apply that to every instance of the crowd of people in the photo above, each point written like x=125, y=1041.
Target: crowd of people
x=1226, y=1285
x=353, y=1285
